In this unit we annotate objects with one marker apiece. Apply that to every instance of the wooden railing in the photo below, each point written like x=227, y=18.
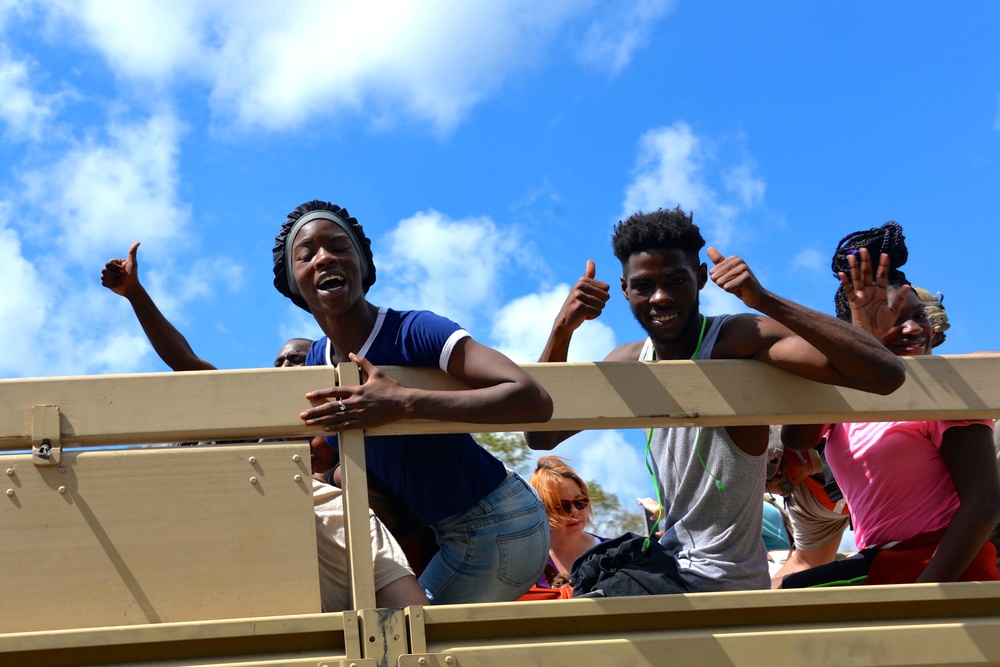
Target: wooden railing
x=206, y=555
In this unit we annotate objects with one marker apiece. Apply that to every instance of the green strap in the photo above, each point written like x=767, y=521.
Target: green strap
x=649, y=441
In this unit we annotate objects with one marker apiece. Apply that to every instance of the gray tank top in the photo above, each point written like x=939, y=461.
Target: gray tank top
x=715, y=534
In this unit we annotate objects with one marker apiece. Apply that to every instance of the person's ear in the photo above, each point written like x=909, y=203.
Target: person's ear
x=624, y=287
x=702, y=275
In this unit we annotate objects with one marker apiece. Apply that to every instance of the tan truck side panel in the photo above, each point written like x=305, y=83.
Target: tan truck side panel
x=157, y=535
x=202, y=556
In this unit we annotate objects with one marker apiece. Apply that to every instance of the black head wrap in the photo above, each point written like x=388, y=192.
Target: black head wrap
x=283, y=280
x=886, y=239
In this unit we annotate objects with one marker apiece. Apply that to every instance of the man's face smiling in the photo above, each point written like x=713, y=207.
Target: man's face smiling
x=326, y=267
x=662, y=289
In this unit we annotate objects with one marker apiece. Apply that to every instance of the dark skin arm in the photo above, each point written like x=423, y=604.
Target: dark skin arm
x=585, y=302
x=971, y=459
x=800, y=340
x=121, y=276
x=500, y=392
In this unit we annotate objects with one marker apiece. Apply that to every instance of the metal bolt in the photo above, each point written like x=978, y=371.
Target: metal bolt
x=298, y=478
x=448, y=659
x=252, y=459
x=10, y=492
x=10, y=472
x=253, y=480
x=421, y=661
x=62, y=470
x=62, y=489
x=298, y=458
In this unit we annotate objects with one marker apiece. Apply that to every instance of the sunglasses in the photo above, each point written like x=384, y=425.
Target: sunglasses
x=579, y=503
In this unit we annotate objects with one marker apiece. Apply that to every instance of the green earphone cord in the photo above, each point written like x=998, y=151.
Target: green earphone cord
x=649, y=441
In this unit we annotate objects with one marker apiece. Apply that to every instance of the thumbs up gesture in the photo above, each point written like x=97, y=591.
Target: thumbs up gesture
x=733, y=275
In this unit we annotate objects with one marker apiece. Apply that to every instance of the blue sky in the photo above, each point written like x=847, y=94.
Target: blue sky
x=487, y=148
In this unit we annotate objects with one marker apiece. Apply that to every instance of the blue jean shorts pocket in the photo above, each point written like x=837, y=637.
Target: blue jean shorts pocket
x=523, y=555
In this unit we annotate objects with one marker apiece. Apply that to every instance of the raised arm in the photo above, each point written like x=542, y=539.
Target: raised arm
x=585, y=302
x=121, y=276
x=801, y=340
x=500, y=392
x=971, y=459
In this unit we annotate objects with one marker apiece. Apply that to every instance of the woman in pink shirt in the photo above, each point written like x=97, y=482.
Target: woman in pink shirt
x=924, y=495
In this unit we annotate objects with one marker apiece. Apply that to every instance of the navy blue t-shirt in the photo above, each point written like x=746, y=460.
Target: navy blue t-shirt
x=436, y=475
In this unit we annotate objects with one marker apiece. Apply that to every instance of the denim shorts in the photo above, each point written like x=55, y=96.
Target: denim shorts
x=492, y=552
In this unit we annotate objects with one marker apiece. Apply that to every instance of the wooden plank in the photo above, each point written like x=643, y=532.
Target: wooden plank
x=354, y=471
x=888, y=625
x=730, y=392
x=452, y=625
x=301, y=639
x=157, y=535
x=167, y=407
x=927, y=645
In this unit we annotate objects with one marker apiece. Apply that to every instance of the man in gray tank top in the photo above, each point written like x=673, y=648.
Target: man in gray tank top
x=712, y=479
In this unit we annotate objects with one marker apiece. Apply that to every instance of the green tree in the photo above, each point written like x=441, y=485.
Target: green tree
x=608, y=517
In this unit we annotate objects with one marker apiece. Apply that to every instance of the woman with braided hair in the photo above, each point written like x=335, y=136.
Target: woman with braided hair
x=924, y=495
x=491, y=527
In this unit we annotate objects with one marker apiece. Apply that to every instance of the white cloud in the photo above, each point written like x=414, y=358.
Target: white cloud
x=742, y=181
x=713, y=299
x=24, y=111
x=25, y=303
x=275, y=65
x=119, y=352
x=107, y=195
x=141, y=39
x=175, y=288
x=296, y=323
x=810, y=260
x=12, y=9
x=671, y=169
x=621, y=30
x=452, y=267
x=522, y=326
x=89, y=204
x=88, y=332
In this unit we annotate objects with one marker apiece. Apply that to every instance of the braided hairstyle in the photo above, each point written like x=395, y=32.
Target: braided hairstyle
x=664, y=228
x=281, y=277
x=886, y=239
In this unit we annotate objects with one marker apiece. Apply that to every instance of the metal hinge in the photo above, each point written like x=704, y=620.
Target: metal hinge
x=46, y=446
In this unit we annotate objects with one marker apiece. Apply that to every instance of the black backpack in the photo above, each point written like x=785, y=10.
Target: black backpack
x=621, y=567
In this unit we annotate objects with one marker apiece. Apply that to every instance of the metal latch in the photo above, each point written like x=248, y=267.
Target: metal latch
x=46, y=447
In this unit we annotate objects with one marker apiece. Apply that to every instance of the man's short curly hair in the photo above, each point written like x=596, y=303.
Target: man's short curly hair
x=281, y=277
x=661, y=229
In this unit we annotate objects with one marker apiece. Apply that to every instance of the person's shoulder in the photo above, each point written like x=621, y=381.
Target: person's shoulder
x=740, y=334
x=419, y=320
x=626, y=351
